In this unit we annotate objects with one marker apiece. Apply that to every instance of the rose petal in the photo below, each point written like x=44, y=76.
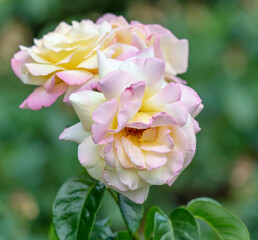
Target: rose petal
x=103, y=117
x=85, y=103
x=114, y=83
x=88, y=154
x=74, y=77
x=75, y=133
x=40, y=97
x=134, y=153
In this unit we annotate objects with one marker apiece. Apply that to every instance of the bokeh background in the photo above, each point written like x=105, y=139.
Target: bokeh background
x=223, y=69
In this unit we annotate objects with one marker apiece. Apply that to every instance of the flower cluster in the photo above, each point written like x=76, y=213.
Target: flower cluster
x=137, y=125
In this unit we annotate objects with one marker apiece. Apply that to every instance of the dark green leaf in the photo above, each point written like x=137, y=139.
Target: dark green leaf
x=102, y=230
x=158, y=225
x=123, y=235
x=52, y=234
x=184, y=225
x=131, y=212
x=75, y=207
x=225, y=224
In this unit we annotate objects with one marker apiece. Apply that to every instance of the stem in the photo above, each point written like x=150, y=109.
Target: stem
x=113, y=194
x=115, y=197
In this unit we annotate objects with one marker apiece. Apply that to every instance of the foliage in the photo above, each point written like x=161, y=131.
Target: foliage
x=77, y=202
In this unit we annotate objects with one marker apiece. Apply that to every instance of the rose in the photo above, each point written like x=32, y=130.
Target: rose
x=172, y=51
x=139, y=130
x=65, y=61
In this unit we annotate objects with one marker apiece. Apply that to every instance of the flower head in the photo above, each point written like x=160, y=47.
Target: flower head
x=138, y=130
x=65, y=60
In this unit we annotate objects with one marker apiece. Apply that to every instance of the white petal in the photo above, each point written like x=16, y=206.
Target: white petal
x=85, y=103
x=75, y=133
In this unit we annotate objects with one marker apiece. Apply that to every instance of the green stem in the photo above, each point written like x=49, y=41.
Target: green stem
x=115, y=197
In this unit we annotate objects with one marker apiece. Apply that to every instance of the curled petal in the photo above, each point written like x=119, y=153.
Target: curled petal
x=190, y=98
x=114, y=83
x=149, y=70
x=40, y=97
x=103, y=117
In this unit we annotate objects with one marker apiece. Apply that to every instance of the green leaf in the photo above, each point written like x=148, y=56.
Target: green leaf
x=123, y=235
x=158, y=226
x=102, y=230
x=184, y=225
x=52, y=234
x=132, y=213
x=224, y=223
x=75, y=207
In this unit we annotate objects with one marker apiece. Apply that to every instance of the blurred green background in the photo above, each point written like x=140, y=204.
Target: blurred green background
x=223, y=69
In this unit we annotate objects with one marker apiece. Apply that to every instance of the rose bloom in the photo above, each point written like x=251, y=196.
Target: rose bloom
x=173, y=51
x=65, y=60
x=138, y=130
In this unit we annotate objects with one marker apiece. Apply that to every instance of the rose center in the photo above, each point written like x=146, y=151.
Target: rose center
x=134, y=132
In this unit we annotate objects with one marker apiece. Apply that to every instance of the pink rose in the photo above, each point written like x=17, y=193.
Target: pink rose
x=139, y=130
x=172, y=51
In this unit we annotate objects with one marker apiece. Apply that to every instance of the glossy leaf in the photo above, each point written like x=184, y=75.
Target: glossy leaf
x=184, y=225
x=123, y=235
x=158, y=226
x=131, y=212
x=101, y=230
x=75, y=207
x=52, y=234
x=225, y=224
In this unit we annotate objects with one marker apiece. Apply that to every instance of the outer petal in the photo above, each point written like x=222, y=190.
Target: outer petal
x=75, y=133
x=37, y=69
x=185, y=140
x=138, y=196
x=85, y=103
x=190, y=98
x=17, y=62
x=112, y=180
x=89, y=157
x=178, y=111
x=159, y=30
x=109, y=155
x=40, y=97
x=75, y=77
x=129, y=177
x=175, y=162
x=175, y=53
x=157, y=176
